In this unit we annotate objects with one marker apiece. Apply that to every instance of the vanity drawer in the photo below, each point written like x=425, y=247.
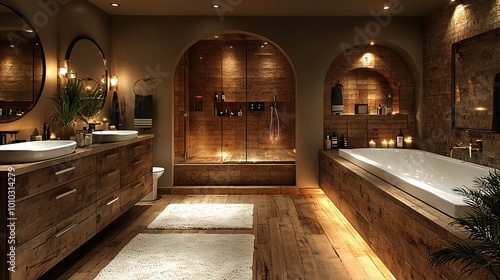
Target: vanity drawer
x=48, y=178
x=41, y=212
x=108, y=209
x=45, y=250
x=108, y=181
x=135, y=167
x=133, y=192
x=136, y=149
x=108, y=160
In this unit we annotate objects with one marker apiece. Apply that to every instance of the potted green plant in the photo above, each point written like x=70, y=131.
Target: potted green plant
x=481, y=251
x=67, y=105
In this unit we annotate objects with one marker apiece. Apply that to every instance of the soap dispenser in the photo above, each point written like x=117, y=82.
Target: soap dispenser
x=335, y=141
x=328, y=143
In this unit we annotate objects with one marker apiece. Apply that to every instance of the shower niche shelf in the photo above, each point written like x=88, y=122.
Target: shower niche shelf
x=227, y=109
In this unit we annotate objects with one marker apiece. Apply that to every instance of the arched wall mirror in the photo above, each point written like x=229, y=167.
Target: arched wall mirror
x=22, y=65
x=88, y=63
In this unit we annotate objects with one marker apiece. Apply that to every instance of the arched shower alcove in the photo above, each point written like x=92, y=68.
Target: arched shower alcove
x=370, y=75
x=227, y=129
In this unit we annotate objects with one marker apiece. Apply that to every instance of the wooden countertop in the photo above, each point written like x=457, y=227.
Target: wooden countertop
x=22, y=168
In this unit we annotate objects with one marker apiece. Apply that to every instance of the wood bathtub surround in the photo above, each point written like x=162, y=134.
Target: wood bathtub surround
x=61, y=203
x=401, y=229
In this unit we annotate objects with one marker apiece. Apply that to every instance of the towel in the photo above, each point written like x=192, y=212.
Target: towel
x=143, y=111
x=116, y=114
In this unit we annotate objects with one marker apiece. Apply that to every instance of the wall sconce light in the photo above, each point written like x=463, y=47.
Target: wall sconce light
x=113, y=83
x=63, y=71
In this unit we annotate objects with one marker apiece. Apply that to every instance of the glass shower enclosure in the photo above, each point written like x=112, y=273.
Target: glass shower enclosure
x=234, y=102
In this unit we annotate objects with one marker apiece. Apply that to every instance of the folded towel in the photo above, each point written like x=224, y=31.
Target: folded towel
x=143, y=111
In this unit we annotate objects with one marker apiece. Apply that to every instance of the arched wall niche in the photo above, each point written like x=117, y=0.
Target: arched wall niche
x=369, y=75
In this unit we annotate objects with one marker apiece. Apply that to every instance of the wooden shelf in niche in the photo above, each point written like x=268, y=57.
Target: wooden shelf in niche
x=220, y=108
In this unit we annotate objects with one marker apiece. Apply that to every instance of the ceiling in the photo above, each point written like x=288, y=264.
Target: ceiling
x=270, y=7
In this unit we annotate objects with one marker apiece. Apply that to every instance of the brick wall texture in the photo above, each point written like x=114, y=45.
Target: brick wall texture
x=449, y=25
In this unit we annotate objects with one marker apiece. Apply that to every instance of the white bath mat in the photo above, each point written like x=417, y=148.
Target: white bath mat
x=183, y=256
x=205, y=216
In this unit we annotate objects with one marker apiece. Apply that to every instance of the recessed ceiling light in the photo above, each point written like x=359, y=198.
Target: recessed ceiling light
x=115, y=5
x=386, y=7
x=216, y=6
x=372, y=43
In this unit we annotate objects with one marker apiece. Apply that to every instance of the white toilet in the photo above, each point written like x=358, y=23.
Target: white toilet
x=157, y=172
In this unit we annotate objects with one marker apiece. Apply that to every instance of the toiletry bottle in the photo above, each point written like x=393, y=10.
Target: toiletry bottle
x=223, y=96
x=328, y=143
x=335, y=141
x=400, y=140
x=216, y=96
x=379, y=110
x=240, y=112
x=343, y=142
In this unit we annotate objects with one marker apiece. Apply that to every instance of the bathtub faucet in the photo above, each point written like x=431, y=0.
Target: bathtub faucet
x=471, y=148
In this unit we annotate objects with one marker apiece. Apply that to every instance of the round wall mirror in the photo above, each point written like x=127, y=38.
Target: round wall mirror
x=22, y=65
x=87, y=62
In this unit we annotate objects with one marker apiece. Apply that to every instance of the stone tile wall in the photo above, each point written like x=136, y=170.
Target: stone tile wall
x=451, y=24
x=401, y=229
x=368, y=74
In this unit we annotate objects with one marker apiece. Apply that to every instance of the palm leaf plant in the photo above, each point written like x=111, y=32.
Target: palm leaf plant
x=67, y=105
x=91, y=102
x=481, y=251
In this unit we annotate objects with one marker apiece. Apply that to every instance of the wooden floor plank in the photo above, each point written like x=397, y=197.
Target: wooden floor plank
x=296, y=237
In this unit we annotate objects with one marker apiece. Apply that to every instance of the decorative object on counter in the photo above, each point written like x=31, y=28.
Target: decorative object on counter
x=409, y=143
x=400, y=143
x=144, y=89
x=343, y=142
x=337, y=98
x=240, y=112
x=116, y=115
x=105, y=124
x=388, y=110
x=372, y=144
x=328, y=143
x=335, y=141
x=390, y=144
x=361, y=109
x=67, y=105
x=480, y=251
x=384, y=144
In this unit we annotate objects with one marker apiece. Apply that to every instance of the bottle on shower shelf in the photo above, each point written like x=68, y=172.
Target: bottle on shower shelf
x=240, y=112
x=216, y=96
x=223, y=96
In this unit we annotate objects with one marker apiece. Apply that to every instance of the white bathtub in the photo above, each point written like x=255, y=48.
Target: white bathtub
x=426, y=176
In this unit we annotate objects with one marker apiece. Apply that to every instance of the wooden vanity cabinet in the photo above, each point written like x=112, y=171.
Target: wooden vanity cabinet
x=60, y=204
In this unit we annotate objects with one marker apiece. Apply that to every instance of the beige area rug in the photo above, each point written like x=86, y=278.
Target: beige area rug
x=183, y=256
x=205, y=216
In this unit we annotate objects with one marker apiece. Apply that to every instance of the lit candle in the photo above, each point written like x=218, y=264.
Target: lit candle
x=408, y=142
x=371, y=144
x=52, y=136
x=384, y=144
x=391, y=143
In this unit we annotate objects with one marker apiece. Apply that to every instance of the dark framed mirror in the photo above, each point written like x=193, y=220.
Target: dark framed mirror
x=22, y=65
x=88, y=63
x=475, y=83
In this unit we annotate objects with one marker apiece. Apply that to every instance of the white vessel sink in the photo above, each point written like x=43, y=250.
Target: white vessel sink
x=35, y=151
x=107, y=136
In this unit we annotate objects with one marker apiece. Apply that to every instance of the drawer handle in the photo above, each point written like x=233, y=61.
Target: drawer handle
x=137, y=162
x=137, y=147
x=112, y=201
x=112, y=155
x=66, y=193
x=137, y=185
x=112, y=172
x=64, y=230
x=65, y=170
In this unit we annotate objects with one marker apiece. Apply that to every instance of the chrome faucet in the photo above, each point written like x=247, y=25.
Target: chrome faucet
x=472, y=148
